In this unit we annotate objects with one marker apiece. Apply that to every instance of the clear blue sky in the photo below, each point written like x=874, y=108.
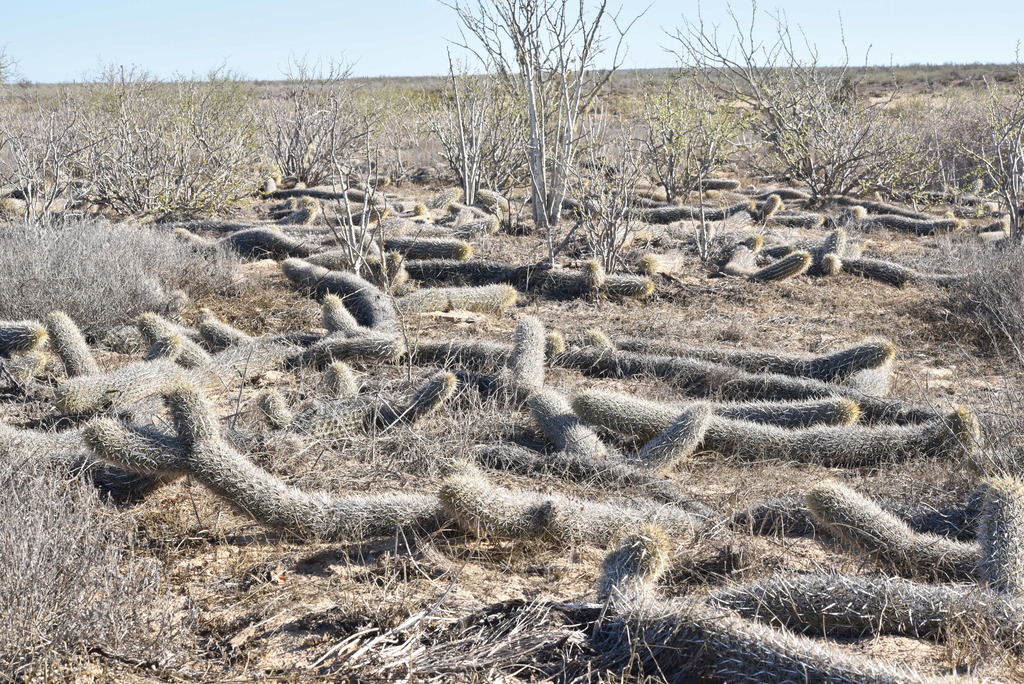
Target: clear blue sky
x=63, y=40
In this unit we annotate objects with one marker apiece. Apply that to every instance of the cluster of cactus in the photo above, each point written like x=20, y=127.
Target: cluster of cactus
x=175, y=353
x=348, y=413
x=200, y=449
x=834, y=367
x=698, y=378
x=764, y=630
x=791, y=407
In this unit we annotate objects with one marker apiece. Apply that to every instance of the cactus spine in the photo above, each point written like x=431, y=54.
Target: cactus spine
x=206, y=455
x=602, y=472
x=274, y=408
x=161, y=333
x=630, y=571
x=263, y=242
x=895, y=274
x=337, y=319
x=699, y=378
x=890, y=541
x=21, y=336
x=335, y=348
x=434, y=392
x=679, y=636
x=472, y=229
x=678, y=441
x=786, y=267
x=834, y=367
x=593, y=337
x=953, y=437
x=444, y=199
x=837, y=605
x=917, y=226
x=480, y=355
x=554, y=343
x=118, y=388
x=526, y=364
x=1001, y=534
x=560, y=425
x=339, y=381
x=767, y=209
x=627, y=286
x=217, y=334
x=368, y=304
x=25, y=368
x=489, y=511
x=485, y=299
x=429, y=248
x=36, y=446
x=664, y=215
x=69, y=344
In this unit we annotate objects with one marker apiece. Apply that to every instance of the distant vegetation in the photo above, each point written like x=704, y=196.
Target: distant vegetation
x=531, y=371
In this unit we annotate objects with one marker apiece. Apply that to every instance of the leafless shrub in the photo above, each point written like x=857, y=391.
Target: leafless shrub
x=358, y=231
x=158, y=149
x=43, y=142
x=545, y=52
x=100, y=274
x=1001, y=153
x=687, y=131
x=399, y=131
x=312, y=120
x=944, y=128
x=481, y=130
x=816, y=124
x=609, y=169
x=6, y=67
x=71, y=581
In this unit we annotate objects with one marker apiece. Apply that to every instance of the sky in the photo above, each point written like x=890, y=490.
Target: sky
x=67, y=40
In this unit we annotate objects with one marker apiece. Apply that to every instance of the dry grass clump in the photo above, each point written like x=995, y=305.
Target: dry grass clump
x=991, y=300
x=100, y=274
x=70, y=584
